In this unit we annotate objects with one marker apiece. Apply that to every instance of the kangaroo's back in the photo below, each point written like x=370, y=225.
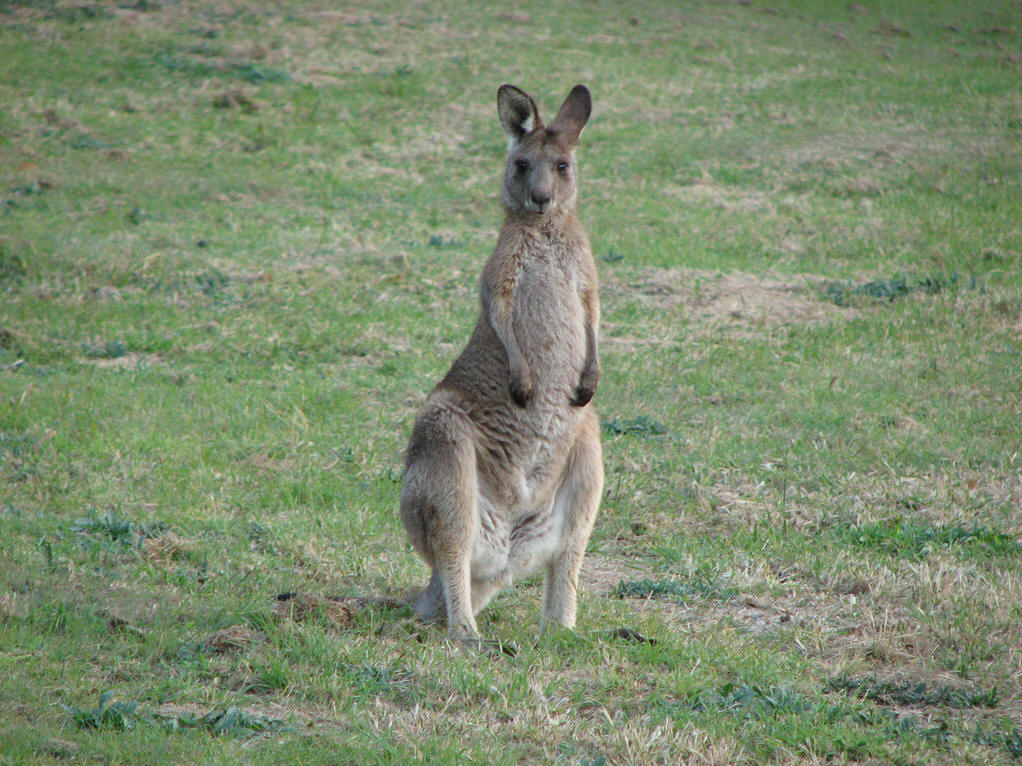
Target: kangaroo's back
x=504, y=466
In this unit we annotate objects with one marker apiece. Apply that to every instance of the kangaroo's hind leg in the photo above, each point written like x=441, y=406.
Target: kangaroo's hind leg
x=438, y=508
x=577, y=501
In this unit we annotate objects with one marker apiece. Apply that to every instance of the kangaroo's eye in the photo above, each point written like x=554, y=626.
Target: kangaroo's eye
x=522, y=165
x=562, y=167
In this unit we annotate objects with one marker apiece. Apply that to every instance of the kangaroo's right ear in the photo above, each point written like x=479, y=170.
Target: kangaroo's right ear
x=517, y=111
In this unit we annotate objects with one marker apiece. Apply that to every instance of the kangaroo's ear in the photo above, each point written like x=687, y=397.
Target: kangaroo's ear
x=517, y=111
x=574, y=113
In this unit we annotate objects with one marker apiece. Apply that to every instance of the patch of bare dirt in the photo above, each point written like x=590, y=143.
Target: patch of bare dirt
x=296, y=607
x=730, y=198
x=267, y=466
x=131, y=361
x=237, y=98
x=338, y=611
x=738, y=302
x=601, y=574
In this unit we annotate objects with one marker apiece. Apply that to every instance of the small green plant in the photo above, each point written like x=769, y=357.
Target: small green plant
x=1002, y=733
x=220, y=722
x=107, y=715
x=111, y=349
x=372, y=680
x=190, y=65
x=641, y=425
x=115, y=529
x=12, y=267
x=227, y=722
x=212, y=282
x=910, y=539
x=914, y=693
x=890, y=289
x=695, y=588
x=439, y=241
x=750, y=700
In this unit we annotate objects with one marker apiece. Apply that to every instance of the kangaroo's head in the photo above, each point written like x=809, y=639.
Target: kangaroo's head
x=540, y=178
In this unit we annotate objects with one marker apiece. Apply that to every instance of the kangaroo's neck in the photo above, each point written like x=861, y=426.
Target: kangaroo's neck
x=554, y=225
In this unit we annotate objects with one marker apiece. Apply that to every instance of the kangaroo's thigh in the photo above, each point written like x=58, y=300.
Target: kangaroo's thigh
x=438, y=506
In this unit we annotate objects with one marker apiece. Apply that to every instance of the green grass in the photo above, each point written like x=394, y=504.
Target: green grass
x=238, y=246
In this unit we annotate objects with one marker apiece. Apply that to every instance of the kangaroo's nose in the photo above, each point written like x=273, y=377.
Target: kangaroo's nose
x=540, y=200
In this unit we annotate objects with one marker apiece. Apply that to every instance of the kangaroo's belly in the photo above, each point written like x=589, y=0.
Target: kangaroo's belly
x=524, y=451
x=512, y=542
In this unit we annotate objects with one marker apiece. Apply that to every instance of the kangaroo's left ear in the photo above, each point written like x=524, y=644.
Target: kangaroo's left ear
x=517, y=111
x=574, y=113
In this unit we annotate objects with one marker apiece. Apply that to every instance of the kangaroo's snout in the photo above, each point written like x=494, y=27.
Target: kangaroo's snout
x=540, y=199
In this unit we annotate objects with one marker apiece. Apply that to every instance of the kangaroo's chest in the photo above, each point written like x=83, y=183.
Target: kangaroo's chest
x=548, y=316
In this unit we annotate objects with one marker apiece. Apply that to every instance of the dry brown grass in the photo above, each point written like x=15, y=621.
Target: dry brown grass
x=234, y=638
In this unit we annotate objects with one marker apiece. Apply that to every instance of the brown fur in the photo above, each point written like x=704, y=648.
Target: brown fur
x=504, y=468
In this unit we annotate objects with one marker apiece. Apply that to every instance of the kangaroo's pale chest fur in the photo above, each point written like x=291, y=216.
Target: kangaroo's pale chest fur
x=548, y=313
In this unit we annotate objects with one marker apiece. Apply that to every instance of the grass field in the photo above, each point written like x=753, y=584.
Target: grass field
x=239, y=243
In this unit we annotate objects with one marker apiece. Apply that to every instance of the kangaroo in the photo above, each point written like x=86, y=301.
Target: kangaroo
x=504, y=469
